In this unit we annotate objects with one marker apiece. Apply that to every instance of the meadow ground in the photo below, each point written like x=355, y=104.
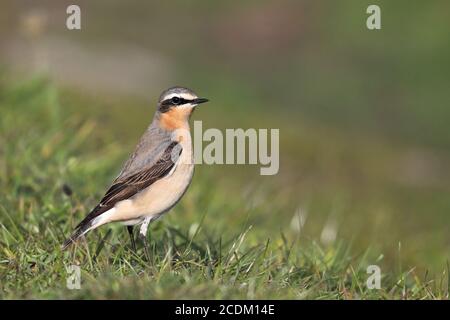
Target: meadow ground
x=310, y=232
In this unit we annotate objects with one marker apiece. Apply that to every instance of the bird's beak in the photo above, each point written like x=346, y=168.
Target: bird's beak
x=199, y=100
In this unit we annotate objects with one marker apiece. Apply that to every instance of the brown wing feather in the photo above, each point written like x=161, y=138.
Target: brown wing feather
x=127, y=187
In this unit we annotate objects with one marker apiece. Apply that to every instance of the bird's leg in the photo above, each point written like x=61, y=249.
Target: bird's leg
x=133, y=243
x=143, y=236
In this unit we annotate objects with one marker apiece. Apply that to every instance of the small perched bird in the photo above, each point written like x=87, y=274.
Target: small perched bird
x=156, y=175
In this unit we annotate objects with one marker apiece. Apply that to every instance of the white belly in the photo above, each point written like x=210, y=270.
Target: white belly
x=165, y=193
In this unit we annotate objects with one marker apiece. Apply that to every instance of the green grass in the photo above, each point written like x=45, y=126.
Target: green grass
x=232, y=235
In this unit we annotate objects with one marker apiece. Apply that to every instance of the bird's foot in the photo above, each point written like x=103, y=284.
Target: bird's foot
x=144, y=240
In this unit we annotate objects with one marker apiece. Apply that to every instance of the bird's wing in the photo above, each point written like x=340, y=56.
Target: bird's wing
x=125, y=187
x=150, y=148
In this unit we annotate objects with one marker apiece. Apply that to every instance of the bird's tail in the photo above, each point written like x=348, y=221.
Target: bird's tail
x=93, y=220
x=80, y=230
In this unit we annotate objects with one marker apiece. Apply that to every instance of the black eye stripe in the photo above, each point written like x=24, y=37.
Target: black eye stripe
x=178, y=102
x=167, y=104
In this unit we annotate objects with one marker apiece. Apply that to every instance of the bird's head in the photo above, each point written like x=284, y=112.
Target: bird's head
x=175, y=105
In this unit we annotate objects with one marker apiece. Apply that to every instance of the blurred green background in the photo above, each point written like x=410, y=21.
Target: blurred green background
x=363, y=115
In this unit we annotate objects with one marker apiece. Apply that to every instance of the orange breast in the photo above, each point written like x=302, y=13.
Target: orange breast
x=176, y=118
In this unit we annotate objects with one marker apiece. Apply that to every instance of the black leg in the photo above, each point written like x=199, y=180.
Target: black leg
x=130, y=232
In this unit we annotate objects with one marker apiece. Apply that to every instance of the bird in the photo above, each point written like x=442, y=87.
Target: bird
x=156, y=175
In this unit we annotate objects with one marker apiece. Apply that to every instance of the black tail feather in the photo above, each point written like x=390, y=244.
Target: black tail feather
x=81, y=228
x=79, y=231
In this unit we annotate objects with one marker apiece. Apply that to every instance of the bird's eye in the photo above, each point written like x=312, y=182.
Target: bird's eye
x=176, y=100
